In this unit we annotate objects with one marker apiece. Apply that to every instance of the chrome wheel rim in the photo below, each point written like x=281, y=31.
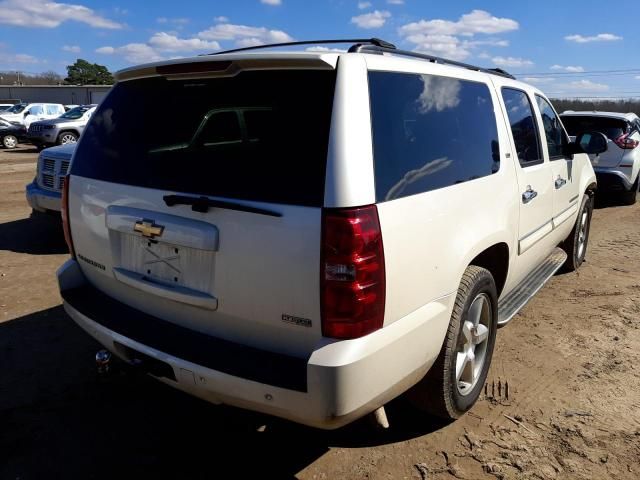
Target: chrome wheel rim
x=67, y=139
x=582, y=232
x=10, y=141
x=471, y=353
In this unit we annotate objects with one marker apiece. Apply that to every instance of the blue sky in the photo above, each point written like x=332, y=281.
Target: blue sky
x=561, y=46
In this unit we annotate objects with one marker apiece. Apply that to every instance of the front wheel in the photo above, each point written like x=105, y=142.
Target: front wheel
x=576, y=243
x=67, y=137
x=9, y=141
x=455, y=381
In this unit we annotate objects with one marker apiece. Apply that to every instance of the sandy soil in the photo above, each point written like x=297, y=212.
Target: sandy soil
x=573, y=406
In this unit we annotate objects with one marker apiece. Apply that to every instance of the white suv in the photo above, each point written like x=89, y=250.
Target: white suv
x=320, y=232
x=617, y=169
x=26, y=113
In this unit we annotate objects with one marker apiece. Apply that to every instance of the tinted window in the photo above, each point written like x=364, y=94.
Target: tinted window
x=430, y=132
x=552, y=128
x=523, y=126
x=205, y=147
x=75, y=113
x=611, y=127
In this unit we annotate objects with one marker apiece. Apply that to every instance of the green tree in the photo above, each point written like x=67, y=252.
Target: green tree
x=85, y=73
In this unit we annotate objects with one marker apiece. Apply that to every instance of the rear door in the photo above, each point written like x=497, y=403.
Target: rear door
x=565, y=185
x=199, y=201
x=534, y=174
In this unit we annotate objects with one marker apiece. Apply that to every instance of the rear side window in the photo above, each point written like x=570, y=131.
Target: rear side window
x=611, y=127
x=430, y=132
x=260, y=135
x=523, y=126
x=552, y=128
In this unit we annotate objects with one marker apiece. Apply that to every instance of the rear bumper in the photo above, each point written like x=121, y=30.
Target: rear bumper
x=42, y=200
x=613, y=180
x=339, y=382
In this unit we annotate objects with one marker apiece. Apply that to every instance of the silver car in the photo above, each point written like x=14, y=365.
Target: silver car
x=45, y=192
x=62, y=130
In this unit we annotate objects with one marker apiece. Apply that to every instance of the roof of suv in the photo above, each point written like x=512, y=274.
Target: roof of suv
x=595, y=113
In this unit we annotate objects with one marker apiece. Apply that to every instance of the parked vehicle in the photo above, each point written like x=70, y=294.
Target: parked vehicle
x=617, y=169
x=321, y=232
x=11, y=134
x=64, y=129
x=45, y=192
x=5, y=106
x=26, y=113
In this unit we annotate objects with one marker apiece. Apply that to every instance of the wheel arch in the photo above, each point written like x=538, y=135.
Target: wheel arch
x=495, y=259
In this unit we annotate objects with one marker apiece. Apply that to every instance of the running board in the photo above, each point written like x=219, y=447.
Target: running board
x=513, y=302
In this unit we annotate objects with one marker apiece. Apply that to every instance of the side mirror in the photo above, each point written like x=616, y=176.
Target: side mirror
x=592, y=142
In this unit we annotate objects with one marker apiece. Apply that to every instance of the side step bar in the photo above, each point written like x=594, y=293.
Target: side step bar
x=513, y=302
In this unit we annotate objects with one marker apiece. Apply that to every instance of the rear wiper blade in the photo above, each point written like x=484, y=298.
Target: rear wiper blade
x=202, y=205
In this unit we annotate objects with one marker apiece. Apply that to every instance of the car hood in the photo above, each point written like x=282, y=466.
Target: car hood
x=56, y=121
x=61, y=151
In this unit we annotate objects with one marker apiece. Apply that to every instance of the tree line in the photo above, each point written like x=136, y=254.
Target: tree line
x=613, y=105
x=80, y=73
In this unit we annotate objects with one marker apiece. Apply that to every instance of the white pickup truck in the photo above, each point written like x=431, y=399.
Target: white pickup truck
x=321, y=232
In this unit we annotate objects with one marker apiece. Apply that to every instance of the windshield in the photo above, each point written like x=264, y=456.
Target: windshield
x=17, y=108
x=259, y=135
x=75, y=113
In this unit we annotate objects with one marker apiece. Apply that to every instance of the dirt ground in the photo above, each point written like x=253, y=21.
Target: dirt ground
x=573, y=406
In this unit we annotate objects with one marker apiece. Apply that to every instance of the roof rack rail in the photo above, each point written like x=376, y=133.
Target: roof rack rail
x=374, y=45
x=372, y=48
x=377, y=42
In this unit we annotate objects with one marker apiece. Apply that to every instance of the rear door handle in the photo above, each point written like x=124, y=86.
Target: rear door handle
x=560, y=182
x=529, y=194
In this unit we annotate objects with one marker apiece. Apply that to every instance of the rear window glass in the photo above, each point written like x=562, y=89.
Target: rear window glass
x=260, y=135
x=430, y=132
x=611, y=127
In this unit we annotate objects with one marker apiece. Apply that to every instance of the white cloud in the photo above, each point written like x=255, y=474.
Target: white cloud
x=443, y=37
x=484, y=55
x=157, y=46
x=324, y=49
x=10, y=60
x=375, y=19
x=538, y=79
x=48, y=14
x=601, y=37
x=221, y=19
x=363, y=5
x=469, y=24
x=395, y=2
x=175, y=21
x=511, y=62
x=637, y=77
x=587, y=85
x=165, y=42
x=271, y=2
x=568, y=68
x=72, y=48
x=244, y=35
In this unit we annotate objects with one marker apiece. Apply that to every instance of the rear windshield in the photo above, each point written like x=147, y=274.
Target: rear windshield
x=260, y=135
x=611, y=127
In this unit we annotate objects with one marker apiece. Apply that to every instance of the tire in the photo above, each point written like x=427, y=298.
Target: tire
x=629, y=197
x=447, y=390
x=576, y=243
x=9, y=141
x=67, y=137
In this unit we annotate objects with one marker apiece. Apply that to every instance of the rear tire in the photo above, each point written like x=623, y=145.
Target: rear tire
x=576, y=243
x=9, y=141
x=456, y=379
x=630, y=196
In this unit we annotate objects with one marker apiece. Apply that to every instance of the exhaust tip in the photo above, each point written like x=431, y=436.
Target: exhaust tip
x=103, y=361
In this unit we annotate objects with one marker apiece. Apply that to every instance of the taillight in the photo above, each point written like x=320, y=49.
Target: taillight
x=64, y=210
x=623, y=141
x=352, y=272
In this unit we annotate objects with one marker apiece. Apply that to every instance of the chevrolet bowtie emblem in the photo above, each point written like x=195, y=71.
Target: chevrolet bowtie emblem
x=148, y=228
